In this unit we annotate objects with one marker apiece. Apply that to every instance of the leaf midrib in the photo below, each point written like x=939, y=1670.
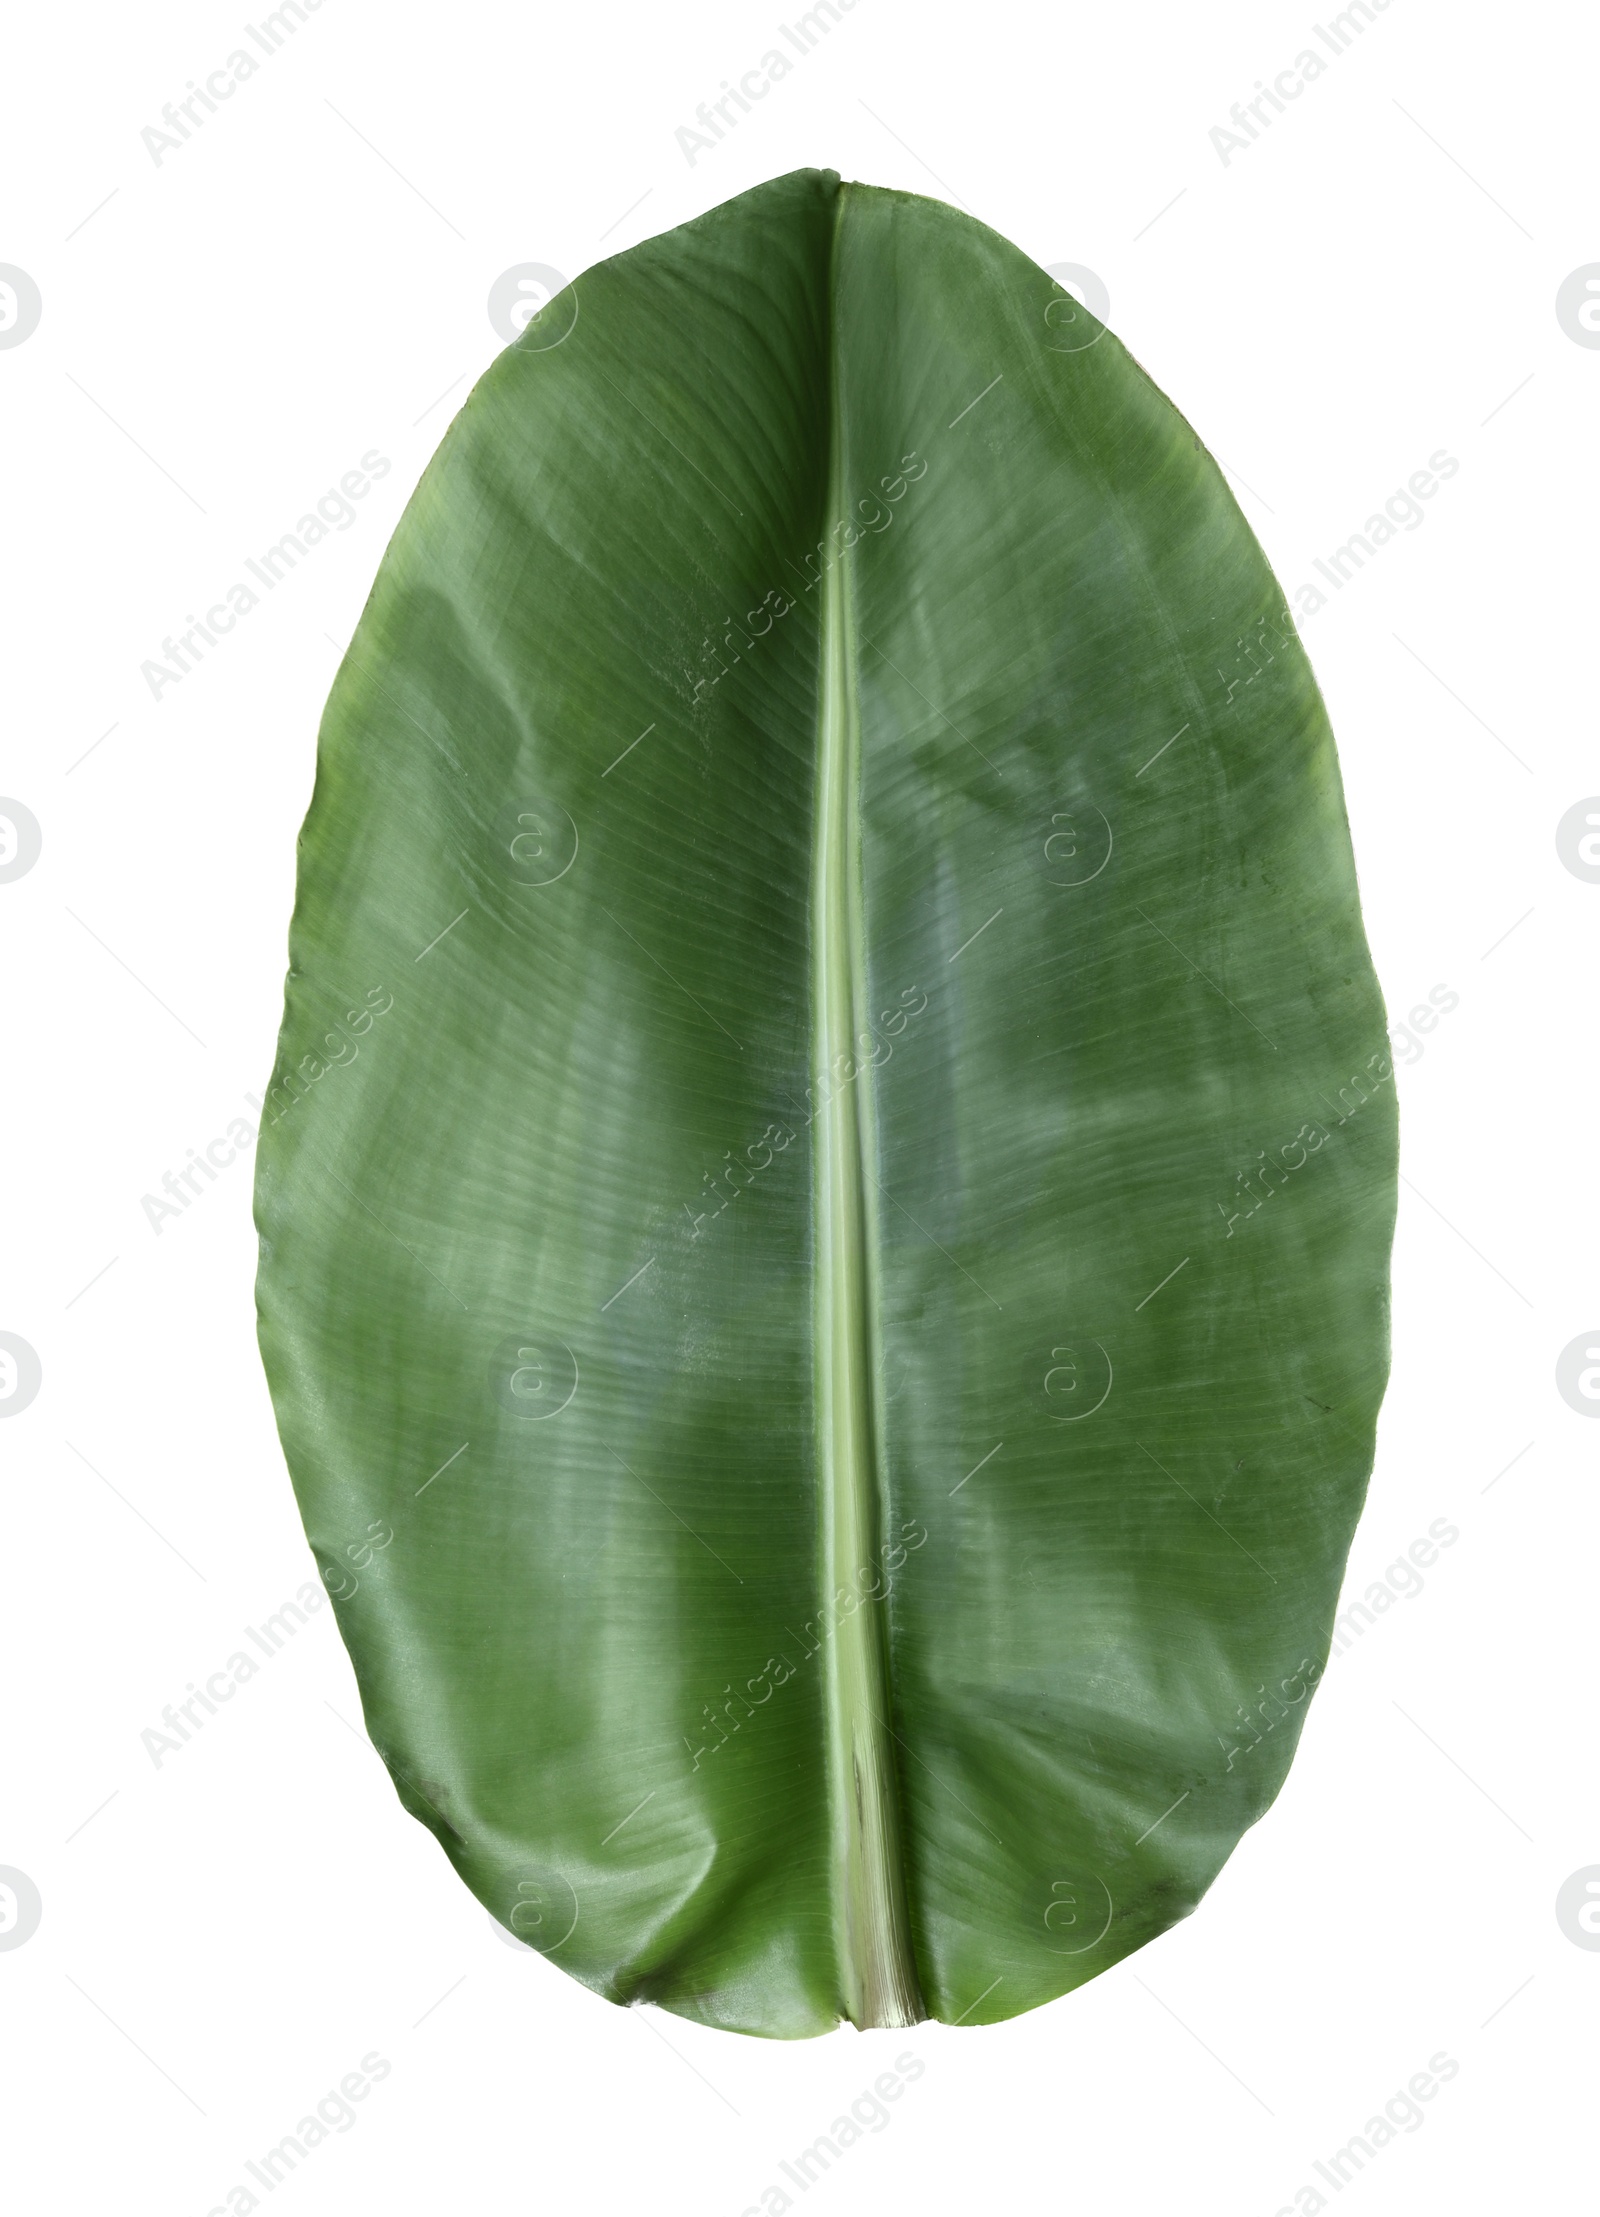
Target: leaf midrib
x=877, y=1969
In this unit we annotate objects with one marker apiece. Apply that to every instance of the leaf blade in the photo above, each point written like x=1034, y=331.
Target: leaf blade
x=1070, y=1049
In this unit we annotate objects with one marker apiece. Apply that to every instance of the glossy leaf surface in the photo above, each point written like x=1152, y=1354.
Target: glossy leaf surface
x=827, y=1191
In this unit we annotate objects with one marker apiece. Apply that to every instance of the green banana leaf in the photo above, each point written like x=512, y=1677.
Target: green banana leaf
x=826, y=1195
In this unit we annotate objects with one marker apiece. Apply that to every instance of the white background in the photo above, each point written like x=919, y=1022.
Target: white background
x=225, y=1937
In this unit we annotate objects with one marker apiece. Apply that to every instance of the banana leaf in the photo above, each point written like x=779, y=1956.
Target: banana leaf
x=826, y=1193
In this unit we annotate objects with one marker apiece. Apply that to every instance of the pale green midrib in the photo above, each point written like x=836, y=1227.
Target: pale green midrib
x=877, y=1969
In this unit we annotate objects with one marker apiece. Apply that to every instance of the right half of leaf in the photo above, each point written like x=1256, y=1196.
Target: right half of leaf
x=1136, y=1138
